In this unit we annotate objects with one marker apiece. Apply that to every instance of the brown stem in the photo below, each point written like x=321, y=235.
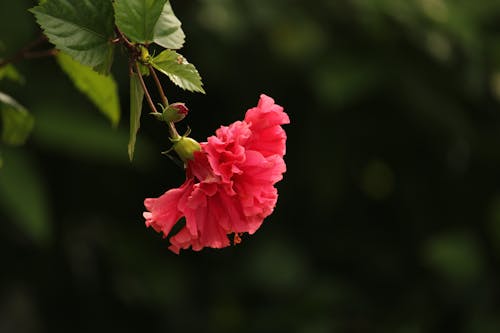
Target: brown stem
x=134, y=53
x=131, y=47
x=41, y=54
x=25, y=53
x=158, y=86
x=173, y=131
x=145, y=89
x=171, y=127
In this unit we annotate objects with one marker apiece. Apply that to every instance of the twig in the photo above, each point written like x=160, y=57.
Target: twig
x=158, y=86
x=145, y=89
x=25, y=53
x=131, y=47
x=41, y=54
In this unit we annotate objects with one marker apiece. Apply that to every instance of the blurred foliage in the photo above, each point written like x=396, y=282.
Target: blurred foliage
x=388, y=218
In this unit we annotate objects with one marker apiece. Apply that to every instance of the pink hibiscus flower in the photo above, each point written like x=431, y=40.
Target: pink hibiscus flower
x=229, y=185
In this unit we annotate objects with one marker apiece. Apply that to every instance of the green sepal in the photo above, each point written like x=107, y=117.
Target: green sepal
x=185, y=147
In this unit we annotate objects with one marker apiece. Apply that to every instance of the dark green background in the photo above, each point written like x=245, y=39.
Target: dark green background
x=388, y=218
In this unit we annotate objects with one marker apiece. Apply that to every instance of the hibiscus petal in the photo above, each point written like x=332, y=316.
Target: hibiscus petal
x=230, y=186
x=183, y=240
x=266, y=114
x=164, y=211
x=205, y=217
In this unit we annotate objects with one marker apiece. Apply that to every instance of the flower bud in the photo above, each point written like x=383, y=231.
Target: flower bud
x=145, y=57
x=185, y=147
x=175, y=112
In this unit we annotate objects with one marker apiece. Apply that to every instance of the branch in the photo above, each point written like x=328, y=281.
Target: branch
x=26, y=53
x=158, y=86
x=121, y=38
x=145, y=89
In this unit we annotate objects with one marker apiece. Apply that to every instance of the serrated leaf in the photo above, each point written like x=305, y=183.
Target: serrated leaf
x=23, y=196
x=136, y=97
x=17, y=122
x=146, y=21
x=100, y=89
x=168, y=32
x=137, y=18
x=180, y=72
x=10, y=72
x=82, y=29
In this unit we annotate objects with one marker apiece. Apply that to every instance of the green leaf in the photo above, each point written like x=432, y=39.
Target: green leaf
x=23, y=195
x=85, y=136
x=100, y=89
x=82, y=29
x=146, y=21
x=16, y=120
x=180, y=72
x=10, y=72
x=137, y=18
x=168, y=32
x=136, y=97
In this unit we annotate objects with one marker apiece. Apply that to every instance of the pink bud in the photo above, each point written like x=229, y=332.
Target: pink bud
x=175, y=112
x=180, y=107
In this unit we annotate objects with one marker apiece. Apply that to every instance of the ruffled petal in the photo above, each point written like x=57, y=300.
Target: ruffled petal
x=204, y=215
x=265, y=120
x=226, y=150
x=266, y=114
x=163, y=212
x=230, y=186
x=183, y=240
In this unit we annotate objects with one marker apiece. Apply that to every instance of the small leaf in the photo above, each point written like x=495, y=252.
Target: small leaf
x=10, y=72
x=100, y=89
x=180, y=72
x=136, y=97
x=82, y=29
x=168, y=32
x=146, y=21
x=16, y=120
x=137, y=18
x=23, y=195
